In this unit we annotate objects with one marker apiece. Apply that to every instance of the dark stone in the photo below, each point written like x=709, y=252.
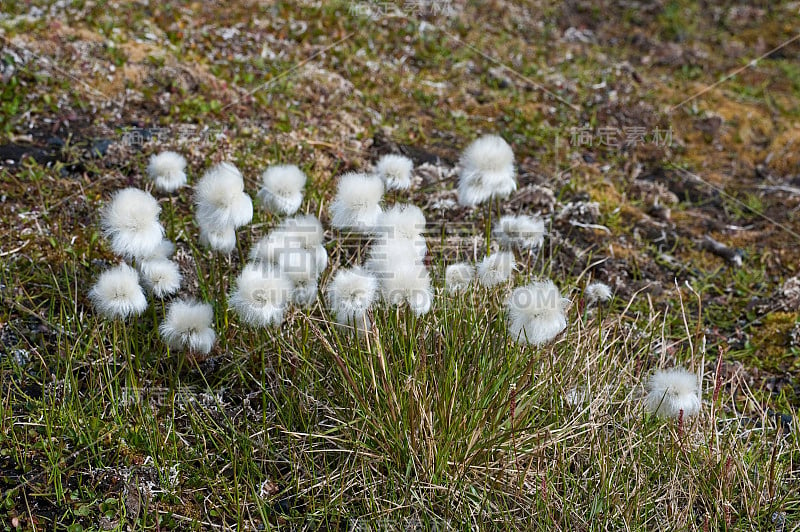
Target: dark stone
x=98, y=148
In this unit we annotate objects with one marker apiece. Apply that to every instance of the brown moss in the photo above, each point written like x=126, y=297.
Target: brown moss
x=772, y=338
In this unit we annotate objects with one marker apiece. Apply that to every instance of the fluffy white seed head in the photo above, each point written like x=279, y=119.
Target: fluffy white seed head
x=167, y=170
x=487, y=171
x=285, y=248
x=496, y=268
x=458, y=277
x=386, y=254
x=395, y=171
x=673, y=390
x=221, y=200
x=536, y=313
x=306, y=229
x=351, y=293
x=299, y=265
x=222, y=240
x=306, y=232
x=269, y=247
x=164, y=250
x=401, y=222
x=261, y=295
x=131, y=223
x=282, y=188
x=117, y=293
x=597, y=292
x=521, y=232
x=357, y=202
x=410, y=284
x=161, y=276
x=188, y=326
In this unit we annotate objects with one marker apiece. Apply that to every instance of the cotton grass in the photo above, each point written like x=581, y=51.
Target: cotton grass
x=282, y=188
x=357, y=202
x=187, y=325
x=167, y=170
x=672, y=392
x=487, y=171
x=130, y=222
x=117, y=293
x=536, y=313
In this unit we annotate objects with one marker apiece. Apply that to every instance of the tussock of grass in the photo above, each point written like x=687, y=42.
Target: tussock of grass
x=436, y=422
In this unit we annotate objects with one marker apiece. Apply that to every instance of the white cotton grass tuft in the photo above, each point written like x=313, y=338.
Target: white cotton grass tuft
x=357, y=202
x=521, y=232
x=496, y=268
x=299, y=237
x=298, y=264
x=536, y=313
x=395, y=171
x=282, y=188
x=386, y=254
x=261, y=295
x=164, y=250
x=161, y=276
x=487, y=171
x=117, y=293
x=672, y=391
x=222, y=241
x=188, y=325
x=269, y=247
x=131, y=223
x=306, y=228
x=350, y=295
x=307, y=231
x=167, y=170
x=597, y=292
x=458, y=277
x=221, y=200
x=408, y=284
x=403, y=221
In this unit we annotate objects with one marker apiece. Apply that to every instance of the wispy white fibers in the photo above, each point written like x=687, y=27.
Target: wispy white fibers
x=672, y=391
x=385, y=254
x=536, y=313
x=161, y=276
x=395, y=171
x=400, y=237
x=300, y=233
x=458, y=277
x=130, y=222
x=222, y=241
x=496, y=268
x=299, y=265
x=487, y=171
x=403, y=221
x=597, y=292
x=350, y=295
x=167, y=170
x=282, y=188
x=521, y=232
x=261, y=295
x=410, y=284
x=221, y=200
x=307, y=231
x=164, y=250
x=117, y=293
x=357, y=202
x=188, y=326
